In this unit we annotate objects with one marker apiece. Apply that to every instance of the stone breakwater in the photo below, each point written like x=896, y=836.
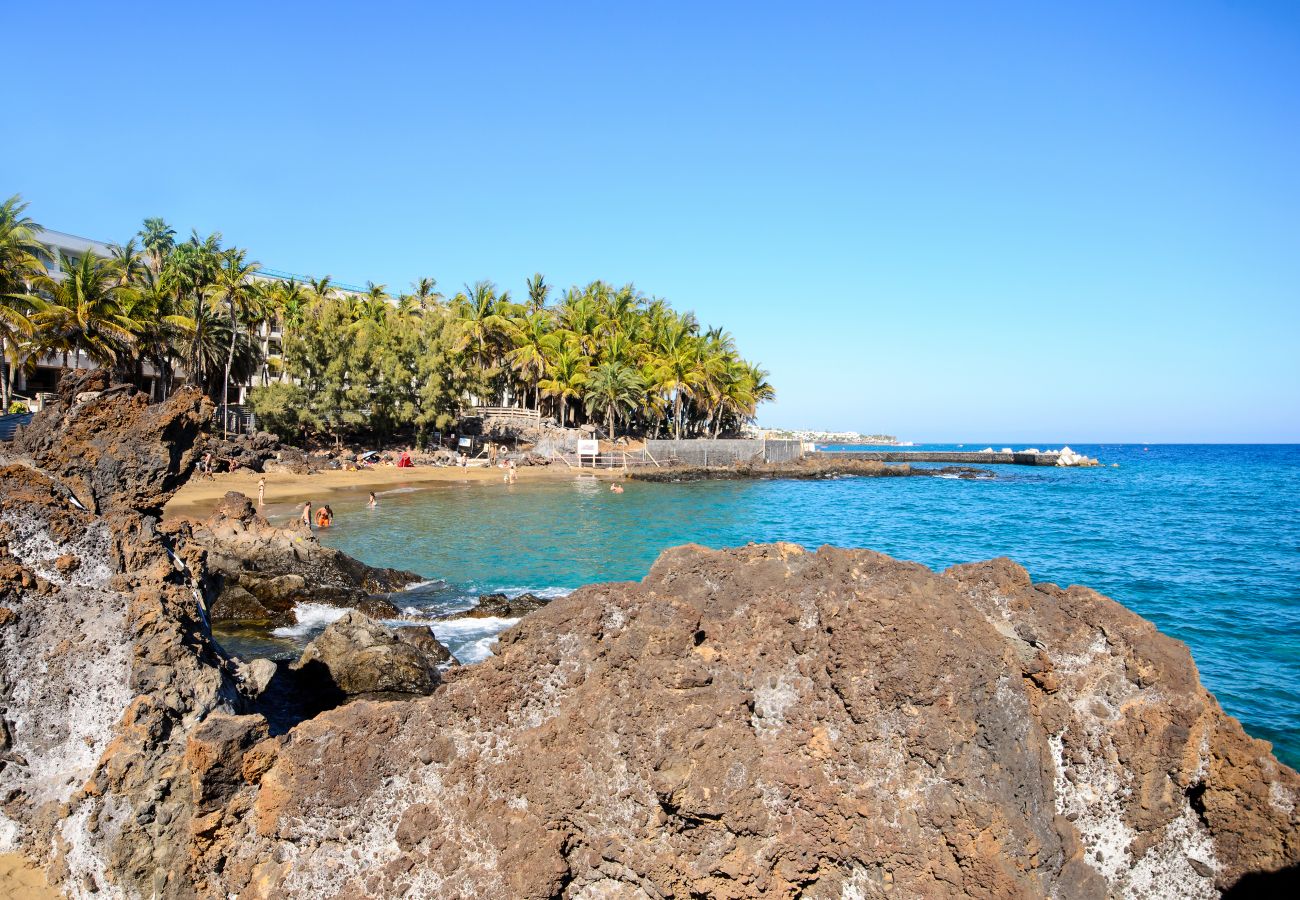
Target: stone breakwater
x=814, y=466
x=762, y=721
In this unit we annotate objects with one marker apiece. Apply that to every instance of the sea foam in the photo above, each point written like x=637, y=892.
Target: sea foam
x=311, y=616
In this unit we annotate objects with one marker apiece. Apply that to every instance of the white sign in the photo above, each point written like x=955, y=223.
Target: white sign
x=588, y=447
x=465, y=442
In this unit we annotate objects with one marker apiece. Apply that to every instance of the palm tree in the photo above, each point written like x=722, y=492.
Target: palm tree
x=126, y=263
x=579, y=314
x=538, y=290
x=528, y=335
x=20, y=263
x=234, y=287
x=155, y=306
x=87, y=311
x=480, y=319
x=613, y=387
x=158, y=238
x=426, y=293
x=191, y=270
x=566, y=374
x=678, y=368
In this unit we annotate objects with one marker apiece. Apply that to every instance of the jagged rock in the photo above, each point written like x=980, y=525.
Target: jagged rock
x=771, y=722
x=356, y=656
x=259, y=573
x=257, y=674
x=422, y=639
x=118, y=452
x=498, y=606
x=107, y=665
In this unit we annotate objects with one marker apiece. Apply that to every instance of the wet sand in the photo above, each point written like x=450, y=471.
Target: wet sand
x=20, y=880
x=200, y=496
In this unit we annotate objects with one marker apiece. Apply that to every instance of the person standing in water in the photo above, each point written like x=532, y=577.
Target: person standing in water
x=306, y=514
x=372, y=502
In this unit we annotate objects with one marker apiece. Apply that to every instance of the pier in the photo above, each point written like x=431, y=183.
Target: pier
x=963, y=457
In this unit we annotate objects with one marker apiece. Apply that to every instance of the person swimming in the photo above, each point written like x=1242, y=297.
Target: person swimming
x=372, y=502
x=616, y=488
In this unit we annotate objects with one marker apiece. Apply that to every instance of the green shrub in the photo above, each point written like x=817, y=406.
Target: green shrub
x=278, y=408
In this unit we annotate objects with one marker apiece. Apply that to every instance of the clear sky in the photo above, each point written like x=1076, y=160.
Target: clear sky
x=962, y=221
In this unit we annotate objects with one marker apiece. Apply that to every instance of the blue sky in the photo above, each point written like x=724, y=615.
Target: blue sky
x=992, y=221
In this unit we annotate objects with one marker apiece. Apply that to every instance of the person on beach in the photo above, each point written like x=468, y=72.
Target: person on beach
x=261, y=492
x=306, y=514
x=205, y=465
x=372, y=502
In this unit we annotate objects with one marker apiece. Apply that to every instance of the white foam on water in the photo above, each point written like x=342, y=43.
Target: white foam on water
x=476, y=651
x=311, y=616
x=464, y=629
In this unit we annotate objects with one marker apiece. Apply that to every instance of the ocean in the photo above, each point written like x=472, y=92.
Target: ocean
x=1202, y=540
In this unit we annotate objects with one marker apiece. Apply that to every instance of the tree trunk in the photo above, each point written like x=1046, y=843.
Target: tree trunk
x=611, y=421
x=230, y=361
x=677, y=415
x=6, y=374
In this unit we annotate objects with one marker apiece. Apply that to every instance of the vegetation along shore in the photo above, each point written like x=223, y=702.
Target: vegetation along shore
x=314, y=359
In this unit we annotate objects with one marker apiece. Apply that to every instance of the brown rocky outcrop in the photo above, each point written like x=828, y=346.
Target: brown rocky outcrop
x=104, y=658
x=259, y=572
x=771, y=722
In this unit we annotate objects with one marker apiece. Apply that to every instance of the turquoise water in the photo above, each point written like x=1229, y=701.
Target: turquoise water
x=1202, y=540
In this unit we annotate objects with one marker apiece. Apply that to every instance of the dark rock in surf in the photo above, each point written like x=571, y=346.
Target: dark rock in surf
x=498, y=606
x=358, y=657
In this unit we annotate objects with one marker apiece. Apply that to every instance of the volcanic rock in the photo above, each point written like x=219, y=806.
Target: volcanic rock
x=498, y=606
x=259, y=573
x=105, y=665
x=357, y=657
x=776, y=723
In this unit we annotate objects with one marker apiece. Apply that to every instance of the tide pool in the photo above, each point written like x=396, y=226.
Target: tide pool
x=1202, y=540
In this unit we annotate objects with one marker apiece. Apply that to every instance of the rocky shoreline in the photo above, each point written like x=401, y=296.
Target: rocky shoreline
x=806, y=468
x=762, y=721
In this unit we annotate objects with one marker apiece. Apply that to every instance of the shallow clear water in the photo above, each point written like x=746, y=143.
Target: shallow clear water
x=1202, y=540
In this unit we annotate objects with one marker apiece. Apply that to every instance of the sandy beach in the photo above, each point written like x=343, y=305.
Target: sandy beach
x=20, y=880
x=197, y=499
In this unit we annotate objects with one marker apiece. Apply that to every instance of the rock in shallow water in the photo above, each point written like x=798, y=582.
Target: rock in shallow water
x=356, y=656
x=498, y=606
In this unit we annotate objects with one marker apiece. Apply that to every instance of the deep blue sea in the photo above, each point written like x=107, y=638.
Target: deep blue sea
x=1202, y=540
